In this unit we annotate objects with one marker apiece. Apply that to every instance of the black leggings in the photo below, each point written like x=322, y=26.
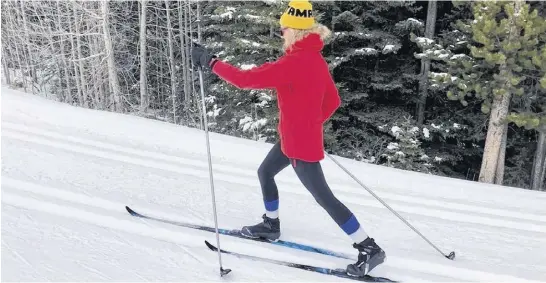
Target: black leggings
x=311, y=176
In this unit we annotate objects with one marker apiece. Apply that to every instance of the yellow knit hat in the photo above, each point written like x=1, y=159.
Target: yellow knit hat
x=298, y=15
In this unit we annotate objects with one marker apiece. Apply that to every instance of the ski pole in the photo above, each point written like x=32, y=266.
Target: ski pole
x=222, y=270
x=451, y=254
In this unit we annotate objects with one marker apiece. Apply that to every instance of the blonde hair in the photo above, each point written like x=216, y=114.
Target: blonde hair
x=299, y=34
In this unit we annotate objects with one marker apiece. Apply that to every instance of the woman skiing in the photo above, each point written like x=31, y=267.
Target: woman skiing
x=307, y=97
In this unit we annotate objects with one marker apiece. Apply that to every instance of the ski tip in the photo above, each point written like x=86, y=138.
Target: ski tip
x=132, y=212
x=212, y=247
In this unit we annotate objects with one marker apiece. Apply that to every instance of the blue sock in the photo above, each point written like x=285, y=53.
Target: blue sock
x=354, y=230
x=272, y=208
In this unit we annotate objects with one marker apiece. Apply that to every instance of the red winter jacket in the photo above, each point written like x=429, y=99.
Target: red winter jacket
x=306, y=95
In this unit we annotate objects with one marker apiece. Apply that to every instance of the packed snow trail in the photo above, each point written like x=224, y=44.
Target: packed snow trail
x=68, y=172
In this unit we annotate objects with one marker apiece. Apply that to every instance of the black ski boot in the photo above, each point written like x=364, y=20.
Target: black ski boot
x=269, y=229
x=370, y=255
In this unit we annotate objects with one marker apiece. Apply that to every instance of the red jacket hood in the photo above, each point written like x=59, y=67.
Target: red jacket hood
x=311, y=42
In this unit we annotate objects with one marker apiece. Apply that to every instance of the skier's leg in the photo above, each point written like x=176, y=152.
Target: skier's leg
x=370, y=254
x=274, y=162
x=312, y=177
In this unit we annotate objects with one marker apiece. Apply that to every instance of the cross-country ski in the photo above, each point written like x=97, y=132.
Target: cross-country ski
x=323, y=270
x=237, y=233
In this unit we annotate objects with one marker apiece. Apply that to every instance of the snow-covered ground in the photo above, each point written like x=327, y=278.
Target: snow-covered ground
x=68, y=172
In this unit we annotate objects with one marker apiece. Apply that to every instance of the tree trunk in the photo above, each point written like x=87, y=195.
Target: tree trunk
x=75, y=67
x=542, y=177
x=100, y=99
x=192, y=78
x=171, y=60
x=112, y=74
x=61, y=95
x=81, y=62
x=144, y=100
x=63, y=61
x=493, y=143
x=499, y=174
x=198, y=21
x=199, y=38
x=28, y=58
x=188, y=32
x=5, y=66
x=537, y=174
x=425, y=63
x=17, y=41
x=183, y=44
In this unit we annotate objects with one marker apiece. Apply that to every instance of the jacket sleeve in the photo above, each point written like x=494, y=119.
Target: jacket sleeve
x=268, y=75
x=331, y=100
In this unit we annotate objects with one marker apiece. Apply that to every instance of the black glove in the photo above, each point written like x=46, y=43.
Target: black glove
x=201, y=57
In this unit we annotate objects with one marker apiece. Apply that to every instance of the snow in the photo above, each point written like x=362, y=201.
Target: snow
x=457, y=56
x=209, y=99
x=252, y=17
x=249, y=124
x=366, y=50
x=253, y=43
x=395, y=129
x=424, y=40
x=415, y=21
x=228, y=14
x=68, y=172
x=435, y=126
x=216, y=44
x=245, y=120
x=215, y=112
x=426, y=132
x=247, y=66
x=388, y=47
x=393, y=146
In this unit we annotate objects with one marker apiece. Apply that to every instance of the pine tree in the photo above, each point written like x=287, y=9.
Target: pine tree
x=504, y=46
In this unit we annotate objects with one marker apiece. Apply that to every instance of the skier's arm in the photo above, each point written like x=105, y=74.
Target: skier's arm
x=331, y=100
x=268, y=75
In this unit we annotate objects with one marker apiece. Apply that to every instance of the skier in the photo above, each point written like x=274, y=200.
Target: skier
x=307, y=97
